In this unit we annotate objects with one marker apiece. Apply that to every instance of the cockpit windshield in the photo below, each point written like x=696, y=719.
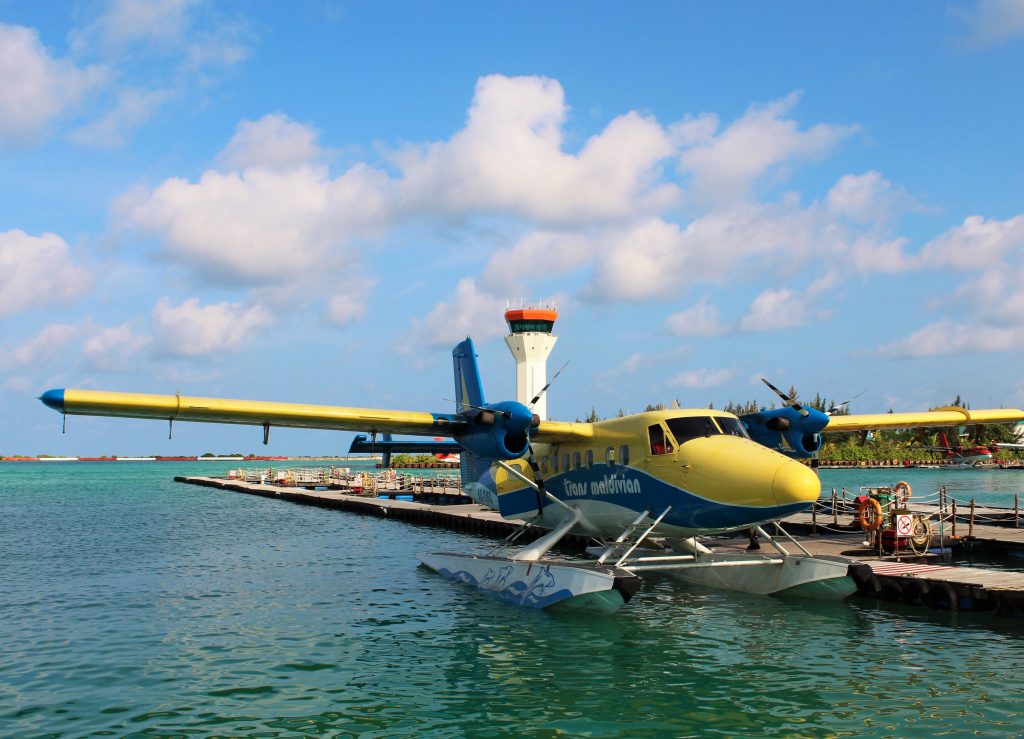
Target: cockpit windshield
x=732, y=426
x=691, y=427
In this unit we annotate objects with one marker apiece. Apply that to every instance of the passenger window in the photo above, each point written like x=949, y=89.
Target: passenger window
x=609, y=456
x=544, y=465
x=576, y=461
x=590, y=458
x=659, y=444
x=624, y=454
x=554, y=462
x=565, y=462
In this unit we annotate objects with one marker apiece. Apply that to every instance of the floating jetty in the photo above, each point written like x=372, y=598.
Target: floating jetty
x=460, y=516
x=438, y=501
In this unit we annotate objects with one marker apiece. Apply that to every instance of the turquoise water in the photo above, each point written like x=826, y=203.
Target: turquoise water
x=130, y=604
x=989, y=487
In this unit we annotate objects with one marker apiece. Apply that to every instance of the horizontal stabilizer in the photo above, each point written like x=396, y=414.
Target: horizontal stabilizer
x=362, y=444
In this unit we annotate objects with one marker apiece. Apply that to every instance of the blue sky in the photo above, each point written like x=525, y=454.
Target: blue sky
x=313, y=202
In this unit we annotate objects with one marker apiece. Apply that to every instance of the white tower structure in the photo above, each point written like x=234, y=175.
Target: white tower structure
x=530, y=342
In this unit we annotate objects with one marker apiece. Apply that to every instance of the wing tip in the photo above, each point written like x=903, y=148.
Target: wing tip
x=54, y=399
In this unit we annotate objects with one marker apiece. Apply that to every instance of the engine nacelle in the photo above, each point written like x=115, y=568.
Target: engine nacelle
x=498, y=430
x=801, y=433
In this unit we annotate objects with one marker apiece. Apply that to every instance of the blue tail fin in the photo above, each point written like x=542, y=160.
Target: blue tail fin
x=477, y=482
x=468, y=390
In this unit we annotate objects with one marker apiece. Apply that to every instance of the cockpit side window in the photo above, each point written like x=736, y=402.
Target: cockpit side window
x=659, y=442
x=692, y=427
x=732, y=426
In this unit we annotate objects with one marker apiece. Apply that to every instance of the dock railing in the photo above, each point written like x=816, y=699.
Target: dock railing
x=836, y=511
x=343, y=479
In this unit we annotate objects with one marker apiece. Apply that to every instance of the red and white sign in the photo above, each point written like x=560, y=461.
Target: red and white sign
x=904, y=525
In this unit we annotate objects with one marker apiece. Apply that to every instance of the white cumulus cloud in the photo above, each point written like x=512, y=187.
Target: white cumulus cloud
x=469, y=312
x=34, y=86
x=868, y=198
x=133, y=21
x=509, y=158
x=776, y=309
x=191, y=329
x=509, y=271
x=45, y=345
x=349, y=300
x=993, y=22
x=725, y=166
x=657, y=259
x=274, y=141
x=37, y=271
x=947, y=337
x=114, y=349
x=701, y=378
x=976, y=244
x=133, y=108
x=259, y=225
x=699, y=320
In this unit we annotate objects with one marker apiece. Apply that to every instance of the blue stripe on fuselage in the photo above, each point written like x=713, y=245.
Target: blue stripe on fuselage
x=637, y=491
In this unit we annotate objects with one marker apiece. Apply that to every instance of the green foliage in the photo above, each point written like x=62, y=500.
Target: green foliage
x=906, y=444
x=404, y=460
x=742, y=409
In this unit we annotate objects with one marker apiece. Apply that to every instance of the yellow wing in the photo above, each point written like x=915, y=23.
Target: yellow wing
x=951, y=416
x=253, y=412
x=565, y=431
x=294, y=415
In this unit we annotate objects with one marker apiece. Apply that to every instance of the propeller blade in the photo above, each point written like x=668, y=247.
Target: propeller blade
x=836, y=407
x=532, y=459
x=787, y=400
x=537, y=397
x=504, y=414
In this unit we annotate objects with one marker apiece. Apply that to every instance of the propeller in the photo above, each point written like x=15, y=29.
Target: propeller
x=531, y=455
x=787, y=400
x=837, y=407
x=537, y=397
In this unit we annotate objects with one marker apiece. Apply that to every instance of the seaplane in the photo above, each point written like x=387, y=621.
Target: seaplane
x=644, y=486
x=978, y=456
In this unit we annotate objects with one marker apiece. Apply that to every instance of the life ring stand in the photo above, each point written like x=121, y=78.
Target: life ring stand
x=872, y=521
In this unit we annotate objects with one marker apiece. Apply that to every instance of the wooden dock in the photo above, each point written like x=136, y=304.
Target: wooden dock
x=468, y=517
x=920, y=580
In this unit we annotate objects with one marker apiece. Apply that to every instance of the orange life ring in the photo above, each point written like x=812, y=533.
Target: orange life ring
x=872, y=521
x=902, y=487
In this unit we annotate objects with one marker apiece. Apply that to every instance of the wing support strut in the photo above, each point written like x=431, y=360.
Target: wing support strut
x=537, y=549
x=520, y=476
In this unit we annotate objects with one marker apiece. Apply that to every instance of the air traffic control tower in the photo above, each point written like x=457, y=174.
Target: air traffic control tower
x=530, y=342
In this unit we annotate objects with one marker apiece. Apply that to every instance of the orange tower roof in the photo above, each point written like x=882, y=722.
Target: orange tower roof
x=531, y=314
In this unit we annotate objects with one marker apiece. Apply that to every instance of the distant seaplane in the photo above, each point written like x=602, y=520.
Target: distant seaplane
x=672, y=474
x=969, y=457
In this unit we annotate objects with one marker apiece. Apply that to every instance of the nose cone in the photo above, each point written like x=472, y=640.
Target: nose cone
x=54, y=399
x=795, y=483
